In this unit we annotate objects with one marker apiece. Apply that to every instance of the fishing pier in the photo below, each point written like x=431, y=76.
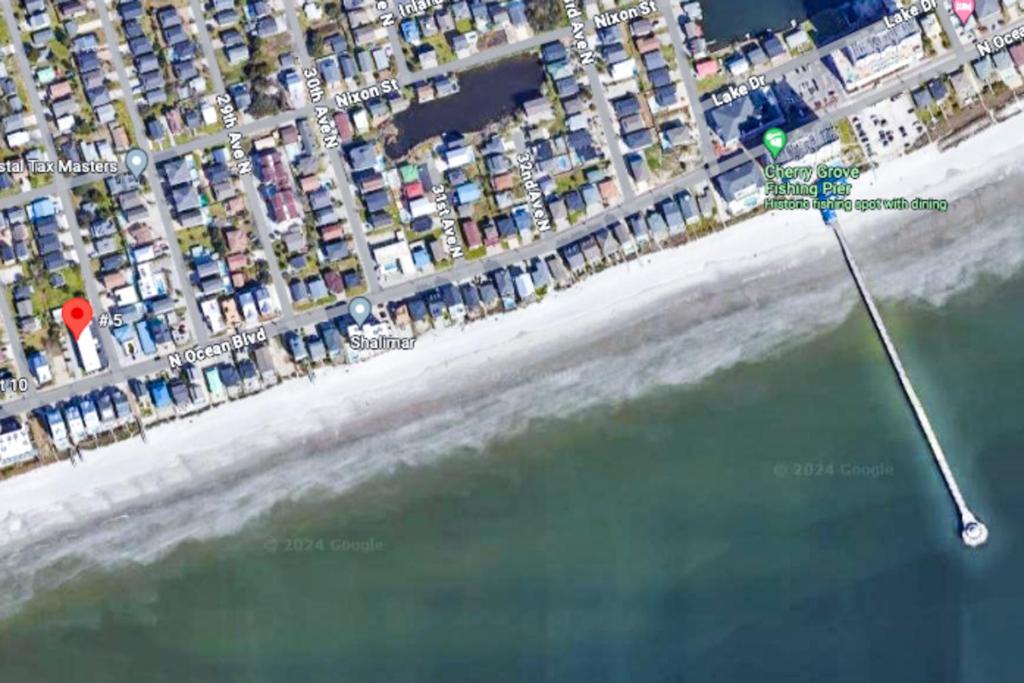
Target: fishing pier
x=973, y=532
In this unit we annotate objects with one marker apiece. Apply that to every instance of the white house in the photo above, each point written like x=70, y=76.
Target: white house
x=15, y=444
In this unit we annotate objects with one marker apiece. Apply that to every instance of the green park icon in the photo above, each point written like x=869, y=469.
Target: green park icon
x=774, y=141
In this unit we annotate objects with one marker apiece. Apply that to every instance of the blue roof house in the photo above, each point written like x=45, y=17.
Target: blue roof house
x=468, y=193
x=159, y=393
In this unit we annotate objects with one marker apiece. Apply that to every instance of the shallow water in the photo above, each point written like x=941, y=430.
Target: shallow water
x=781, y=521
x=590, y=513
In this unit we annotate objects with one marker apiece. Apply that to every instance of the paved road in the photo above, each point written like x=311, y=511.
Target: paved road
x=355, y=221
x=704, y=139
x=396, y=45
x=60, y=186
x=779, y=71
x=206, y=44
x=220, y=138
x=544, y=245
x=196, y=320
x=74, y=183
x=611, y=134
x=258, y=211
x=946, y=21
x=465, y=270
x=11, y=328
x=488, y=56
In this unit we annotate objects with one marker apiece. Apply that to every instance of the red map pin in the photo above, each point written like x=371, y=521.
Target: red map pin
x=77, y=314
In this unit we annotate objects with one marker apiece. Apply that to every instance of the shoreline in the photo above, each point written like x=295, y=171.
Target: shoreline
x=374, y=409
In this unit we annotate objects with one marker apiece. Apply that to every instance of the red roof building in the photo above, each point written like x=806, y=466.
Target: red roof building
x=1017, y=54
x=707, y=67
x=471, y=233
x=413, y=190
x=237, y=262
x=335, y=285
x=329, y=233
x=344, y=126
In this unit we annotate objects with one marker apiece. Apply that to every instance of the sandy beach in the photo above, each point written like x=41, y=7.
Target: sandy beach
x=405, y=407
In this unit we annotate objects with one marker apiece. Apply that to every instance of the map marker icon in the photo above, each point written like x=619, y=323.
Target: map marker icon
x=963, y=9
x=77, y=314
x=774, y=141
x=359, y=308
x=136, y=160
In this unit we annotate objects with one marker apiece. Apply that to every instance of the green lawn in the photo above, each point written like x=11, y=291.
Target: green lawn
x=441, y=47
x=346, y=264
x=352, y=292
x=846, y=133
x=47, y=297
x=655, y=159
x=569, y=181
x=189, y=237
x=712, y=83
x=122, y=118
x=61, y=52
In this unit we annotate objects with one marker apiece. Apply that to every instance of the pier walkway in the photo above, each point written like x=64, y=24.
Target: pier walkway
x=973, y=532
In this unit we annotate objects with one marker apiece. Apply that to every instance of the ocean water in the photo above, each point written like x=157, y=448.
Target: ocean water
x=779, y=521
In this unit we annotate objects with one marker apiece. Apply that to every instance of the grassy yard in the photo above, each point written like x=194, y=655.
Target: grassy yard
x=352, y=262
x=712, y=83
x=655, y=158
x=846, y=134
x=569, y=181
x=358, y=290
x=61, y=52
x=190, y=237
x=473, y=254
x=441, y=47
x=46, y=297
x=122, y=118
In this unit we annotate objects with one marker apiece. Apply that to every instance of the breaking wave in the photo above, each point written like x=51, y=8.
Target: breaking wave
x=681, y=339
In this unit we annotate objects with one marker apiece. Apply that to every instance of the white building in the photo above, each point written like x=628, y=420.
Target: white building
x=15, y=444
x=869, y=59
x=211, y=311
x=394, y=258
x=88, y=350
x=821, y=145
x=741, y=188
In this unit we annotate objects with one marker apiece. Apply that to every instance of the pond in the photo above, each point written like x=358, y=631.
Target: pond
x=485, y=95
x=727, y=20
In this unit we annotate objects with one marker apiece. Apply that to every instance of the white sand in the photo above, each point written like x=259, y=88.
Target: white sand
x=178, y=452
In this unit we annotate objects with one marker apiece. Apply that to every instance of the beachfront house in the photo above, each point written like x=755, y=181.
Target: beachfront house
x=741, y=188
x=15, y=443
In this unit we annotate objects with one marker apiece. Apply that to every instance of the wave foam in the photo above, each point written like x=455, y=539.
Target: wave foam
x=678, y=337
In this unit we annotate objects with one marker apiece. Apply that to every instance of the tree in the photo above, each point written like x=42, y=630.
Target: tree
x=263, y=272
x=263, y=104
x=545, y=15
x=314, y=42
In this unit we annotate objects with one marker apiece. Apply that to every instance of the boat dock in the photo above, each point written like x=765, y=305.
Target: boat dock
x=973, y=532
